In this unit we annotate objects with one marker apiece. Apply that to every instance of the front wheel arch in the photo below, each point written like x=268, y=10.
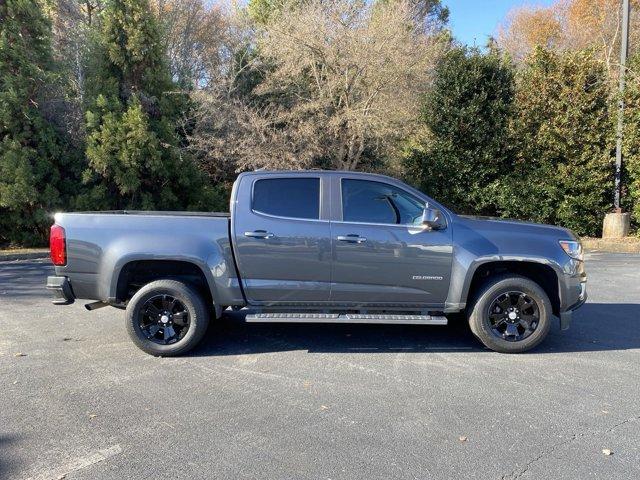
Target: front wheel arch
x=542, y=274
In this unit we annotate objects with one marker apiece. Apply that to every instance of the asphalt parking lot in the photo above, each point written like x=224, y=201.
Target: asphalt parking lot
x=78, y=400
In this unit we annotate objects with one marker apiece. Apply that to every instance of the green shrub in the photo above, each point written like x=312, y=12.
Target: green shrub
x=465, y=148
x=631, y=145
x=561, y=172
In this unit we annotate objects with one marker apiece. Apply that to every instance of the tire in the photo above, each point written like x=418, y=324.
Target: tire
x=487, y=319
x=158, y=295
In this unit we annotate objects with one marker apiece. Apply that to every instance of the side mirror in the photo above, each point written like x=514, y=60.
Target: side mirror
x=432, y=218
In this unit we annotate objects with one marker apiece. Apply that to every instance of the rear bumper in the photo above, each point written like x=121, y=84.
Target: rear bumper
x=61, y=290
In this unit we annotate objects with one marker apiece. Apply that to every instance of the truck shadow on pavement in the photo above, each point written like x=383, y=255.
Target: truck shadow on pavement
x=595, y=327
x=5, y=464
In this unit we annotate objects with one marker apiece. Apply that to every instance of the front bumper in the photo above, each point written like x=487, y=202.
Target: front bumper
x=61, y=290
x=566, y=316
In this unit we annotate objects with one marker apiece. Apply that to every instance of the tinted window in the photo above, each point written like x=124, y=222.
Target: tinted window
x=375, y=202
x=288, y=197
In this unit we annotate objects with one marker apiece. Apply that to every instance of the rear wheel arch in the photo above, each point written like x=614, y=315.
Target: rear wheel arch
x=135, y=274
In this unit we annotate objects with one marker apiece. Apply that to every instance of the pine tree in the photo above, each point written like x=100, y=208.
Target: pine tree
x=133, y=147
x=31, y=152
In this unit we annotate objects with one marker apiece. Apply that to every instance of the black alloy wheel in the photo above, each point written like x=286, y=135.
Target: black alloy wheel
x=513, y=316
x=164, y=319
x=167, y=317
x=510, y=313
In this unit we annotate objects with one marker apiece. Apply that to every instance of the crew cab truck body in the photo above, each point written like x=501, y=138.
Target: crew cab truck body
x=319, y=246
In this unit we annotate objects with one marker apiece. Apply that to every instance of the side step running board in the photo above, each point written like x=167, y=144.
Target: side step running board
x=346, y=318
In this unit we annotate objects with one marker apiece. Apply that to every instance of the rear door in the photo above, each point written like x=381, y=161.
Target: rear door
x=382, y=253
x=282, y=238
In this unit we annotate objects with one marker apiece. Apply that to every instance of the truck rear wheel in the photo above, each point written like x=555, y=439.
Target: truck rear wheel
x=166, y=318
x=511, y=314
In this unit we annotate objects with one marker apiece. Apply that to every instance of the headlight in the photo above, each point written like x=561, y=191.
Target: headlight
x=572, y=248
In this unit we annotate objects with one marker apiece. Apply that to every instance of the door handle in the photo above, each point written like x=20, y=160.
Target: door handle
x=259, y=234
x=352, y=238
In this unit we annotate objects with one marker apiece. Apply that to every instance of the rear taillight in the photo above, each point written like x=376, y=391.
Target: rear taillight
x=57, y=245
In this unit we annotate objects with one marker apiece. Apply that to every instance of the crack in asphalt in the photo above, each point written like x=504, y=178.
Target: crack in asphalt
x=517, y=474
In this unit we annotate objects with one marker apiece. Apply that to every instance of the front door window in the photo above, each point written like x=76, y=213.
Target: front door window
x=365, y=201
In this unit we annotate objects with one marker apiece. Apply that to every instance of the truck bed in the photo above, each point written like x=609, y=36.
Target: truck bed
x=100, y=245
x=155, y=213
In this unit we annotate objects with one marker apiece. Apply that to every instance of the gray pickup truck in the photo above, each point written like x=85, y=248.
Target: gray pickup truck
x=319, y=246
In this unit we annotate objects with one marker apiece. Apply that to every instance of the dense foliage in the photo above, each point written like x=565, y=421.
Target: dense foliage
x=33, y=164
x=631, y=145
x=465, y=148
x=134, y=159
x=561, y=171
x=158, y=104
x=532, y=144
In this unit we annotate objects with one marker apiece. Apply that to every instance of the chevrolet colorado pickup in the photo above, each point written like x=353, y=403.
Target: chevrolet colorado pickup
x=319, y=246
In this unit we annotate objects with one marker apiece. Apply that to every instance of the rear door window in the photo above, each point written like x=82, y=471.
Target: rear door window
x=288, y=197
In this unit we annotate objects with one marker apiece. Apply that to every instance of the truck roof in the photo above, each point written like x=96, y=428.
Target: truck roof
x=316, y=172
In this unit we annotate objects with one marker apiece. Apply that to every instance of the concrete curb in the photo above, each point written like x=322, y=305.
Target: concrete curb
x=34, y=254
x=611, y=245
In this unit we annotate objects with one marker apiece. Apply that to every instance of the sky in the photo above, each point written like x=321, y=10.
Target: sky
x=473, y=21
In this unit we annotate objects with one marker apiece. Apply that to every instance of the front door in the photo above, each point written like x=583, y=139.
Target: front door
x=282, y=246
x=382, y=253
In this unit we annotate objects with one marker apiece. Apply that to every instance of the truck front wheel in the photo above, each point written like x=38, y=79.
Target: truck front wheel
x=166, y=318
x=511, y=314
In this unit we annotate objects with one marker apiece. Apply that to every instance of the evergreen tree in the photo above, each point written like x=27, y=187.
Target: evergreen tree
x=562, y=172
x=631, y=145
x=133, y=147
x=31, y=153
x=465, y=147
